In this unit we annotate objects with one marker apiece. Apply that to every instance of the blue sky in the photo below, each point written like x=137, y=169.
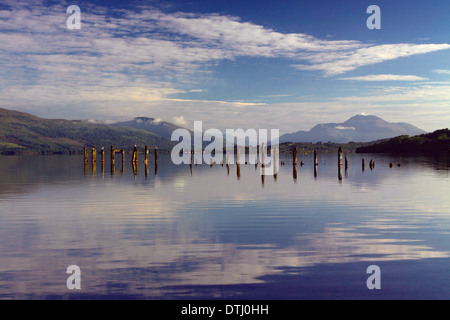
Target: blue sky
x=233, y=64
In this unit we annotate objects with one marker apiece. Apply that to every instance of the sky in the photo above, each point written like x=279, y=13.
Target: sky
x=261, y=64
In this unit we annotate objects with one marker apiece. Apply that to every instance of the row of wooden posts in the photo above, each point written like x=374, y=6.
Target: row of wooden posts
x=341, y=162
x=113, y=152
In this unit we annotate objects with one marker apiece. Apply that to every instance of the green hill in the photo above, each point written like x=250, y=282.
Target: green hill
x=437, y=142
x=24, y=133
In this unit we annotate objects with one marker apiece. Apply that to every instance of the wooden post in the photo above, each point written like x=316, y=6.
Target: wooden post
x=156, y=154
x=316, y=162
x=340, y=157
x=239, y=171
x=363, y=164
x=102, y=153
x=123, y=156
x=146, y=155
x=238, y=155
x=346, y=162
x=86, y=155
x=113, y=159
x=295, y=156
x=94, y=155
x=135, y=154
x=275, y=162
x=263, y=162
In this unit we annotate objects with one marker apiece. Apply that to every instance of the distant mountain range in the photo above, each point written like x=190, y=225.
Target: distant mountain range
x=22, y=132
x=359, y=128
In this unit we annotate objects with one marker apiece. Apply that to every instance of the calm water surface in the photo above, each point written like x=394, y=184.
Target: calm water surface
x=209, y=234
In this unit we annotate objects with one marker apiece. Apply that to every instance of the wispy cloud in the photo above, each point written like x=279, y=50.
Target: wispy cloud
x=441, y=71
x=385, y=77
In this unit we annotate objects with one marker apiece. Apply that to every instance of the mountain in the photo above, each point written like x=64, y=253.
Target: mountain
x=436, y=142
x=23, y=132
x=159, y=127
x=359, y=128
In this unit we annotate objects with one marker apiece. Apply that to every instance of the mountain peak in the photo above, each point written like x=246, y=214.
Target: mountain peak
x=359, y=128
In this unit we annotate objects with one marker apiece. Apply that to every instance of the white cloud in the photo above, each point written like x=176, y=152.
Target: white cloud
x=385, y=77
x=180, y=121
x=335, y=63
x=441, y=71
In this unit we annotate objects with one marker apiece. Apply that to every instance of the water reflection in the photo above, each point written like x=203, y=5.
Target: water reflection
x=145, y=235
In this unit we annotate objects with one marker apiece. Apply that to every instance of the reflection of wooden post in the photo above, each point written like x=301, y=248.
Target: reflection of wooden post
x=102, y=153
x=263, y=175
x=316, y=162
x=294, y=173
x=239, y=171
x=146, y=170
x=123, y=156
x=346, y=162
x=340, y=173
x=363, y=164
x=86, y=168
x=238, y=155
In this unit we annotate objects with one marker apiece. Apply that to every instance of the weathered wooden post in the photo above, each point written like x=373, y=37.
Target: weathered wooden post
x=363, y=164
x=146, y=155
x=94, y=155
x=102, y=153
x=86, y=155
x=156, y=154
x=238, y=155
x=113, y=159
x=135, y=154
x=263, y=162
x=340, y=157
x=346, y=162
x=146, y=170
x=316, y=163
x=294, y=154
